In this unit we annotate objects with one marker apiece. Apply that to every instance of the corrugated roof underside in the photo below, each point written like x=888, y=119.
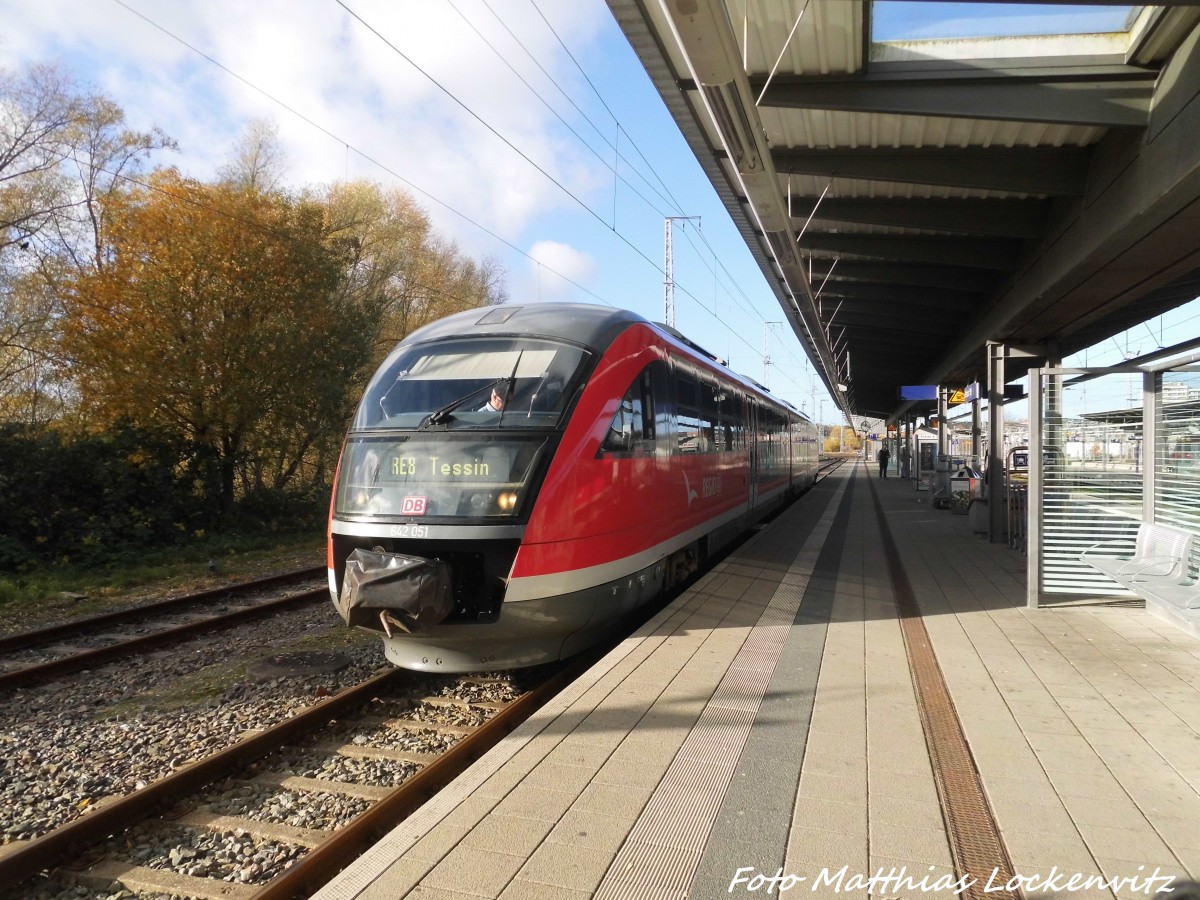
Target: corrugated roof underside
x=827, y=41
x=823, y=128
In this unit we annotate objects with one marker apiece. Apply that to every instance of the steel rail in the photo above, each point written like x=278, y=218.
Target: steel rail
x=54, y=632
x=100, y=655
x=319, y=866
x=54, y=848
x=827, y=468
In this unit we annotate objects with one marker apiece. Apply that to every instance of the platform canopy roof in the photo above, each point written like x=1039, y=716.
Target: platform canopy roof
x=916, y=179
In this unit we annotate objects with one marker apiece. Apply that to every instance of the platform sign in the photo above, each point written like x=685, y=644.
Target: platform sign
x=954, y=396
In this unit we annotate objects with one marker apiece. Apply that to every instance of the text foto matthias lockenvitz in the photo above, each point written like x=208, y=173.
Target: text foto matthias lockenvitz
x=886, y=881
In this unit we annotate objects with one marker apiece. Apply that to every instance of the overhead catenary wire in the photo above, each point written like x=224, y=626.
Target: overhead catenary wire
x=612, y=144
x=364, y=155
x=500, y=136
x=613, y=168
x=507, y=142
x=741, y=291
x=600, y=97
x=478, y=118
x=749, y=312
x=432, y=197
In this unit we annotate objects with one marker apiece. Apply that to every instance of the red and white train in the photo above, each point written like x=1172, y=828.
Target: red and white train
x=623, y=456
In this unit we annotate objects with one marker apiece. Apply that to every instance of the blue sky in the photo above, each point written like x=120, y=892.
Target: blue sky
x=517, y=166
x=896, y=21
x=500, y=172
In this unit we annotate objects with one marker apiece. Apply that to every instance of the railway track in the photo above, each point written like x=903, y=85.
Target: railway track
x=179, y=836
x=237, y=836
x=45, y=653
x=828, y=467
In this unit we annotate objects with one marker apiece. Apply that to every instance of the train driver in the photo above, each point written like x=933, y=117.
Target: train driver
x=495, y=403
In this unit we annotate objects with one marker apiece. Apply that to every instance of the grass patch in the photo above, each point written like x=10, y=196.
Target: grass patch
x=188, y=692
x=52, y=593
x=210, y=683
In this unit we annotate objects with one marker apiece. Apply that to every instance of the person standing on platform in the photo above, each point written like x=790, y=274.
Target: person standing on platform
x=905, y=461
x=883, y=456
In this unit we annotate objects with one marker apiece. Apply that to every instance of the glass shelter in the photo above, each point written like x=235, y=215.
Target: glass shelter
x=1104, y=471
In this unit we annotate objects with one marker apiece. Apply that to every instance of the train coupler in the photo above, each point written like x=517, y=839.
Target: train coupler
x=411, y=593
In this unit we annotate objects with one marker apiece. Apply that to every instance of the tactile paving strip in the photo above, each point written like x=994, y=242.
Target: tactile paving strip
x=970, y=826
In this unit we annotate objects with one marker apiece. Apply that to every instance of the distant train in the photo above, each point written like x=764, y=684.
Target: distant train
x=622, y=455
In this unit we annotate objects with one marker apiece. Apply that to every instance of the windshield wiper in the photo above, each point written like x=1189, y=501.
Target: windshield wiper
x=512, y=383
x=440, y=415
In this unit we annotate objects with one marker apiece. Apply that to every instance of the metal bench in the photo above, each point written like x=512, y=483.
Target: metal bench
x=1158, y=568
x=1180, y=596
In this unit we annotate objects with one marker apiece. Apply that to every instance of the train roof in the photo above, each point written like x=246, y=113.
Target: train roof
x=584, y=323
x=588, y=324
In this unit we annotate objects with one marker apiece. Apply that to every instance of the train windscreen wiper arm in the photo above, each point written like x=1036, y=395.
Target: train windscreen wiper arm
x=440, y=415
x=512, y=383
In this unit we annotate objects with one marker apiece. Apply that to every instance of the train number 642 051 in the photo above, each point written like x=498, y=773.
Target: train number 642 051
x=410, y=531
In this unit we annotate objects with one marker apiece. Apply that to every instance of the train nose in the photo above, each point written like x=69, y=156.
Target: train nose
x=392, y=590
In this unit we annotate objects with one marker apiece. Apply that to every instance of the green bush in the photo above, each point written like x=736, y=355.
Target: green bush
x=92, y=500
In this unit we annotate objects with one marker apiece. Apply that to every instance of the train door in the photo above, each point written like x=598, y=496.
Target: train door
x=789, y=438
x=752, y=419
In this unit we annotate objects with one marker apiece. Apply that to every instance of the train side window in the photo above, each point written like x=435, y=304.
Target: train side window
x=660, y=408
x=729, y=417
x=649, y=418
x=693, y=429
x=685, y=391
x=625, y=424
x=693, y=434
x=710, y=403
x=632, y=428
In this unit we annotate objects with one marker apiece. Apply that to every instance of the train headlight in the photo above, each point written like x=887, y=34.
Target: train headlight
x=480, y=502
x=507, y=500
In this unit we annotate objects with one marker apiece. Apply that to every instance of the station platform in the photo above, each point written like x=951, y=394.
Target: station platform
x=856, y=703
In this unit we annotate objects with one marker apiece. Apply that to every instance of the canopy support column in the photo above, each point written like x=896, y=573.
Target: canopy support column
x=997, y=490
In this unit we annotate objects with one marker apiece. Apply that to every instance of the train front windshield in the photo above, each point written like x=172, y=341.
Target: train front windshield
x=426, y=440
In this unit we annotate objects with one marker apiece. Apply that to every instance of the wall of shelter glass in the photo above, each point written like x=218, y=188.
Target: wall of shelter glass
x=1105, y=467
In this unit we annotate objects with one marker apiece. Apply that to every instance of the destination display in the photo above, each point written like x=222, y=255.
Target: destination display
x=434, y=475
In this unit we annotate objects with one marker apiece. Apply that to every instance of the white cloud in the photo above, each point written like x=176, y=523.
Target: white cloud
x=560, y=265
x=366, y=100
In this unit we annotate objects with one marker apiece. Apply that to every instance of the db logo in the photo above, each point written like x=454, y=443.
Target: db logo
x=412, y=506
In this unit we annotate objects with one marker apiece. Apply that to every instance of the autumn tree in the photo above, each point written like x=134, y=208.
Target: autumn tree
x=398, y=269
x=65, y=155
x=38, y=114
x=219, y=317
x=258, y=161
x=109, y=159
x=841, y=438
x=230, y=325
x=32, y=387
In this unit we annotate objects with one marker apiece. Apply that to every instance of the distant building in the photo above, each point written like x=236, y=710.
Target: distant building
x=1175, y=392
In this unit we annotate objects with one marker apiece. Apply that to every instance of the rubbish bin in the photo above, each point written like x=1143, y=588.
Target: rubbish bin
x=944, y=467
x=964, y=487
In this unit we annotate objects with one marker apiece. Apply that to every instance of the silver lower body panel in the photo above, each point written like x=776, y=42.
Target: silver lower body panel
x=528, y=632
